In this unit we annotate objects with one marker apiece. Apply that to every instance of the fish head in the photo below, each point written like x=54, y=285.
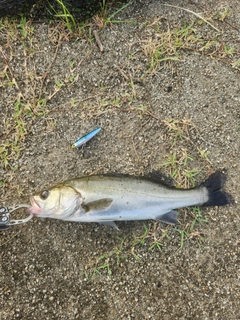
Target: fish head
x=58, y=202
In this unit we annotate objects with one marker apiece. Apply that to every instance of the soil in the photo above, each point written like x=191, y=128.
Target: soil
x=52, y=269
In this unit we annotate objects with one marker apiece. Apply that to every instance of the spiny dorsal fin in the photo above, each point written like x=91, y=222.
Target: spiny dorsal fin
x=162, y=178
x=154, y=176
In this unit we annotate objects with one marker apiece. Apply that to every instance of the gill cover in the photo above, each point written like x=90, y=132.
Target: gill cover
x=58, y=202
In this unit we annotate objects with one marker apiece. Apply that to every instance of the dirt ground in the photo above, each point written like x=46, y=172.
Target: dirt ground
x=183, y=113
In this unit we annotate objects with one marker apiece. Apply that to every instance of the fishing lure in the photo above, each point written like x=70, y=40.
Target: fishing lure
x=81, y=141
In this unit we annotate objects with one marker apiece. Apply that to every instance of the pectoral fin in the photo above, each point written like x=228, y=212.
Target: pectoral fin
x=97, y=205
x=110, y=224
x=169, y=217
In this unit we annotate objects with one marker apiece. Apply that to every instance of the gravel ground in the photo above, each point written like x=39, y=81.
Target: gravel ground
x=187, y=108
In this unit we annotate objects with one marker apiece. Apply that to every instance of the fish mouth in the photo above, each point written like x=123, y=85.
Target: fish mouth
x=35, y=208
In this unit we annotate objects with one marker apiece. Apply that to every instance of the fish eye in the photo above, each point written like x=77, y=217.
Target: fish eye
x=44, y=194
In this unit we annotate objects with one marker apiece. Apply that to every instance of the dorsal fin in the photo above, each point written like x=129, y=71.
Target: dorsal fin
x=162, y=178
x=155, y=176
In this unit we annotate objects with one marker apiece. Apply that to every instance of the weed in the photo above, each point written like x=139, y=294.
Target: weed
x=178, y=166
x=223, y=13
x=179, y=129
x=197, y=215
x=8, y=29
x=236, y=64
x=204, y=154
x=140, y=239
x=102, y=19
x=183, y=236
x=190, y=174
x=25, y=28
x=141, y=110
x=115, y=103
x=105, y=262
x=65, y=16
x=188, y=232
x=58, y=84
x=158, y=240
x=100, y=266
x=156, y=244
x=168, y=45
x=228, y=51
x=9, y=151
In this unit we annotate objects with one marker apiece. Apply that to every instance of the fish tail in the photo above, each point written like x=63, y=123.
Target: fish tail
x=214, y=185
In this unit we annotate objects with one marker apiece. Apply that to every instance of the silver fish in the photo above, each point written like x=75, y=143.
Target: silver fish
x=108, y=198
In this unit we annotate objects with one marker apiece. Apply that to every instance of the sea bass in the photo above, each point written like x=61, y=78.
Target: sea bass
x=108, y=198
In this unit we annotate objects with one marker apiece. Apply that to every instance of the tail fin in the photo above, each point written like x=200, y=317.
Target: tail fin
x=214, y=184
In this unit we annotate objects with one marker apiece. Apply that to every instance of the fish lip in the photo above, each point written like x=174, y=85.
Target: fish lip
x=35, y=207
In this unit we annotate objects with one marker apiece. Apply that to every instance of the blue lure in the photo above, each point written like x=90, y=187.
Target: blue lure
x=81, y=141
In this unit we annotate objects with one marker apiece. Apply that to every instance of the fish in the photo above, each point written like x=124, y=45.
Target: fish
x=108, y=198
x=83, y=140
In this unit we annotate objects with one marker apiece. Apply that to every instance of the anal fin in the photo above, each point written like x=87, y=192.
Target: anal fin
x=169, y=217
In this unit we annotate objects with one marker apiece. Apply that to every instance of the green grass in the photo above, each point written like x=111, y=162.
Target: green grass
x=189, y=230
x=169, y=45
x=179, y=168
x=65, y=16
x=105, y=262
x=104, y=18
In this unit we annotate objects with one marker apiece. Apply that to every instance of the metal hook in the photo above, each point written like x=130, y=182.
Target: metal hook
x=5, y=220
